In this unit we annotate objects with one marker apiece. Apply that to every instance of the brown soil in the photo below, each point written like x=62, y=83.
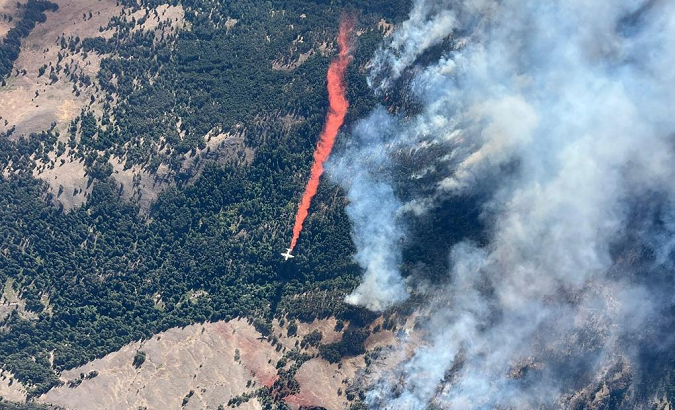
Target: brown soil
x=324, y=384
x=385, y=28
x=11, y=301
x=67, y=180
x=199, y=358
x=10, y=389
x=8, y=9
x=55, y=103
x=137, y=183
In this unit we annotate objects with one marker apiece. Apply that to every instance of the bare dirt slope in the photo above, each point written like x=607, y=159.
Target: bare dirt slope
x=325, y=384
x=11, y=390
x=8, y=12
x=31, y=102
x=197, y=358
x=328, y=384
x=216, y=362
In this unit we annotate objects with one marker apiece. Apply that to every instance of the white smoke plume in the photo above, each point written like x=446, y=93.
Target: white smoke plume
x=561, y=113
x=377, y=235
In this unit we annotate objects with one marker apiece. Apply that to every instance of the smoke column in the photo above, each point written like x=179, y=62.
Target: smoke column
x=334, y=119
x=556, y=119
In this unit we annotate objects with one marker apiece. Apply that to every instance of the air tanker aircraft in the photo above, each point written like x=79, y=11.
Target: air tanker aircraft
x=287, y=255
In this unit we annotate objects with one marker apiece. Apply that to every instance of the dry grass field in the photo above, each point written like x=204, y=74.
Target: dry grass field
x=219, y=361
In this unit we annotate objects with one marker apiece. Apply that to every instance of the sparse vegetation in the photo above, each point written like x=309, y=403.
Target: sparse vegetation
x=5, y=405
x=139, y=359
x=311, y=339
x=292, y=329
x=351, y=344
x=186, y=399
x=32, y=12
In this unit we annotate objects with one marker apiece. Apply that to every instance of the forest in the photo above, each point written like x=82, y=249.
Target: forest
x=107, y=273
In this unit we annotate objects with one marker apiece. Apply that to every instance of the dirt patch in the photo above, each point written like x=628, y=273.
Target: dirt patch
x=67, y=179
x=325, y=326
x=286, y=64
x=51, y=85
x=198, y=358
x=172, y=17
x=325, y=384
x=230, y=22
x=31, y=101
x=380, y=339
x=221, y=148
x=8, y=16
x=11, y=301
x=385, y=28
x=223, y=360
x=10, y=389
x=137, y=183
x=294, y=58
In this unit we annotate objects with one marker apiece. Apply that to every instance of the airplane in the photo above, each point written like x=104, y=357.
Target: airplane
x=287, y=255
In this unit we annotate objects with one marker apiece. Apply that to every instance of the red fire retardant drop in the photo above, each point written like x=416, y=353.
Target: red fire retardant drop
x=334, y=119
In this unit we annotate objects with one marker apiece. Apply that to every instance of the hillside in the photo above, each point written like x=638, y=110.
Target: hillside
x=152, y=155
x=493, y=228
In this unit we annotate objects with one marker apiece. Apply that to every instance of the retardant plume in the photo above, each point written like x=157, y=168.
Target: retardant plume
x=336, y=116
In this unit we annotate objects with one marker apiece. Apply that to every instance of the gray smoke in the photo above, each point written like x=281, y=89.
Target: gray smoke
x=561, y=113
x=377, y=235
